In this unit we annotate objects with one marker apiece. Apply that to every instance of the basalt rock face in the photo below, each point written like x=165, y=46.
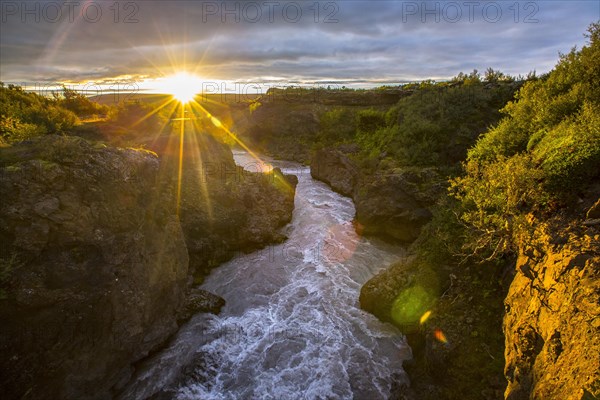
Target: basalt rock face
x=393, y=203
x=224, y=209
x=336, y=169
x=549, y=327
x=552, y=319
x=98, y=247
x=235, y=217
x=94, y=268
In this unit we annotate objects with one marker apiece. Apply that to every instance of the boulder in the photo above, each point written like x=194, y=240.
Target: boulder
x=201, y=301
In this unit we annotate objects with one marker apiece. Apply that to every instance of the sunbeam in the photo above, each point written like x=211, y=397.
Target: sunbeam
x=180, y=167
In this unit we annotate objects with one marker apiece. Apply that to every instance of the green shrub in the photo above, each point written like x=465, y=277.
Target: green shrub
x=13, y=130
x=80, y=105
x=336, y=126
x=495, y=198
x=369, y=121
x=570, y=154
x=139, y=117
x=546, y=149
x=542, y=105
x=25, y=114
x=436, y=125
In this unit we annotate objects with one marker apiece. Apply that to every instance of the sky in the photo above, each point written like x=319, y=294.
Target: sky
x=355, y=43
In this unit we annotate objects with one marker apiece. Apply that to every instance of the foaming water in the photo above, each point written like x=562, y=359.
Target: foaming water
x=292, y=327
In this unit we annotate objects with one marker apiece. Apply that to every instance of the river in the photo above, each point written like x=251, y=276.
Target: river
x=292, y=327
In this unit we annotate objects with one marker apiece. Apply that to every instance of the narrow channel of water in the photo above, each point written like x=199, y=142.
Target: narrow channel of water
x=292, y=327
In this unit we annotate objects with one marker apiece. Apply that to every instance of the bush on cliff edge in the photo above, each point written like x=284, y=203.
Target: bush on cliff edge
x=539, y=157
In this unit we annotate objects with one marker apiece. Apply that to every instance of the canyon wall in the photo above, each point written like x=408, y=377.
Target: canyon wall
x=100, y=250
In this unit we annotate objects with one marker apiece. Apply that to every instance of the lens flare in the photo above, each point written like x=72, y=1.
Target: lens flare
x=216, y=122
x=425, y=317
x=410, y=304
x=439, y=336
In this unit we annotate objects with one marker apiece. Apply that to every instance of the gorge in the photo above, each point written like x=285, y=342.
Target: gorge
x=434, y=240
x=291, y=325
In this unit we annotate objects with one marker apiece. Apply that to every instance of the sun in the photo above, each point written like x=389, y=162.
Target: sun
x=182, y=86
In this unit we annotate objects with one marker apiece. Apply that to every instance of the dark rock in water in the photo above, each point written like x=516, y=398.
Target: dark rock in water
x=336, y=169
x=95, y=268
x=199, y=301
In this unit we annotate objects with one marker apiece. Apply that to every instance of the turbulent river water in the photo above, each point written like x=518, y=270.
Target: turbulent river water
x=292, y=327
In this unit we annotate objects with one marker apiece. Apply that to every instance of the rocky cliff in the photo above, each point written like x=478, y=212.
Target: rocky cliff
x=99, y=247
x=552, y=315
x=224, y=210
x=452, y=318
x=514, y=329
x=94, y=267
x=335, y=168
x=389, y=203
x=395, y=204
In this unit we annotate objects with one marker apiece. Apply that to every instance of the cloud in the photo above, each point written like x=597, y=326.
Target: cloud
x=371, y=41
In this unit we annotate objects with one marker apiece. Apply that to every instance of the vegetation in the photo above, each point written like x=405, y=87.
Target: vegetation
x=337, y=126
x=24, y=115
x=539, y=157
x=79, y=104
x=530, y=144
x=516, y=152
x=434, y=126
x=137, y=116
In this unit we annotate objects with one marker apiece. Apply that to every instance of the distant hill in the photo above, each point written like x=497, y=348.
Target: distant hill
x=153, y=98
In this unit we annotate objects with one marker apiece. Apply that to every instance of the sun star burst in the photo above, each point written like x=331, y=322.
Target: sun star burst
x=182, y=86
